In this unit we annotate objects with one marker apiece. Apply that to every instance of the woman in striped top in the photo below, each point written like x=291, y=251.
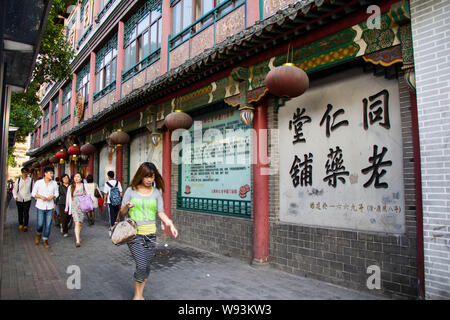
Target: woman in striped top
x=142, y=201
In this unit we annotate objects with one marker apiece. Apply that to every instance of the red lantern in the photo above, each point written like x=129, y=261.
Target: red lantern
x=61, y=155
x=74, y=150
x=44, y=162
x=119, y=137
x=36, y=165
x=178, y=120
x=88, y=149
x=287, y=81
x=54, y=159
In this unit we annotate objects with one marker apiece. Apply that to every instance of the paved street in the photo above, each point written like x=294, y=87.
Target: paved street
x=178, y=271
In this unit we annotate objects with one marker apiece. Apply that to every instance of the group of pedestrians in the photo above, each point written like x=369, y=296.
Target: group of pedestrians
x=141, y=202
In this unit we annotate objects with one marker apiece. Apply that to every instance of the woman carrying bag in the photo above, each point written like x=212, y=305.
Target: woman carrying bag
x=142, y=201
x=61, y=202
x=75, y=202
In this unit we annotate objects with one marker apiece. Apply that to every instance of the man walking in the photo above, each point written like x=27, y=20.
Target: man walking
x=113, y=197
x=22, y=195
x=45, y=191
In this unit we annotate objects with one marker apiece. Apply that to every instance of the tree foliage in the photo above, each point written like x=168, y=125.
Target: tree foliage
x=52, y=65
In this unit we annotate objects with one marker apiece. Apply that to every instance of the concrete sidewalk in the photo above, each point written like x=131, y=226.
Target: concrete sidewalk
x=179, y=272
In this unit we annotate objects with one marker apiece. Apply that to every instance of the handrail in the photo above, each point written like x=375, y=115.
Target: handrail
x=149, y=57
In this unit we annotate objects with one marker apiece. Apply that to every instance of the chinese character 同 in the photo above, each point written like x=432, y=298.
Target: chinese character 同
x=378, y=110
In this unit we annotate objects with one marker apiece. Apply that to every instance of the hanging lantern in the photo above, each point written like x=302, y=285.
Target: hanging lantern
x=54, y=160
x=36, y=165
x=287, y=81
x=178, y=120
x=119, y=138
x=74, y=151
x=84, y=157
x=62, y=155
x=87, y=149
x=247, y=115
x=44, y=162
x=156, y=138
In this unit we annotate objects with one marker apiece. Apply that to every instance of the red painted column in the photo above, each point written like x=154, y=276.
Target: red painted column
x=50, y=113
x=419, y=208
x=59, y=170
x=91, y=164
x=252, y=12
x=60, y=110
x=72, y=168
x=73, y=100
x=120, y=59
x=91, y=86
x=166, y=30
x=260, y=189
x=119, y=163
x=167, y=173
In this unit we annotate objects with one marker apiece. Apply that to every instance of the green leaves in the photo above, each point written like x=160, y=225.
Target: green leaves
x=52, y=65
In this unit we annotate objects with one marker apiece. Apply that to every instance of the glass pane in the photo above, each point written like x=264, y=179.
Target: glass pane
x=107, y=58
x=159, y=33
x=113, y=70
x=154, y=37
x=133, y=54
x=155, y=15
x=176, y=19
x=146, y=47
x=187, y=13
x=143, y=25
x=208, y=5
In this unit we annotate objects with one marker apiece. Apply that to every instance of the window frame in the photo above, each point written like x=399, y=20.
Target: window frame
x=54, y=123
x=137, y=41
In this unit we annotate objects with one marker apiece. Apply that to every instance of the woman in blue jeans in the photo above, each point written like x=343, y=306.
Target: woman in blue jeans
x=45, y=191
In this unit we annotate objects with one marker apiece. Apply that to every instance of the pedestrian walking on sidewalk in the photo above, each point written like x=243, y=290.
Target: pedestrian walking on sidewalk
x=64, y=216
x=142, y=201
x=22, y=194
x=112, y=197
x=91, y=188
x=45, y=191
x=76, y=189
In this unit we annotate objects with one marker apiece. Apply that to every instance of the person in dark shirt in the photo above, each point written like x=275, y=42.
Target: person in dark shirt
x=64, y=184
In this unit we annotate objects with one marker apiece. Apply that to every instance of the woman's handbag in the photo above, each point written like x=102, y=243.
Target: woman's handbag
x=123, y=231
x=86, y=204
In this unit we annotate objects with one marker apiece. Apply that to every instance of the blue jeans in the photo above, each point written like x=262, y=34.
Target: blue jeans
x=44, y=222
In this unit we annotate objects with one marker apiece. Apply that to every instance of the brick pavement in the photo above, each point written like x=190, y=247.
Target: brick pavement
x=179, y=271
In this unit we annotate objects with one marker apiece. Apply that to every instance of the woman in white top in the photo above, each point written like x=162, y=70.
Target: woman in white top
x=91, y=186
x=76, y=189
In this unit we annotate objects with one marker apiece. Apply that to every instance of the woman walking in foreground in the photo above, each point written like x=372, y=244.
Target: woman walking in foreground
x=75, y=190
x=143, y=200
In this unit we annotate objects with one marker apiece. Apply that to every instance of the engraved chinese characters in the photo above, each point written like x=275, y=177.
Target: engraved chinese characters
x=341, y=155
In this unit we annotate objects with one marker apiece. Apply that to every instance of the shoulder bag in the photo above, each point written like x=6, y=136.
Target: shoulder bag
x=123, y=231
x=86, y=204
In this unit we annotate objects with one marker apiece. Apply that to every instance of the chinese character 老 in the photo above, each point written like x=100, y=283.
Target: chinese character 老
x=377, y=163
